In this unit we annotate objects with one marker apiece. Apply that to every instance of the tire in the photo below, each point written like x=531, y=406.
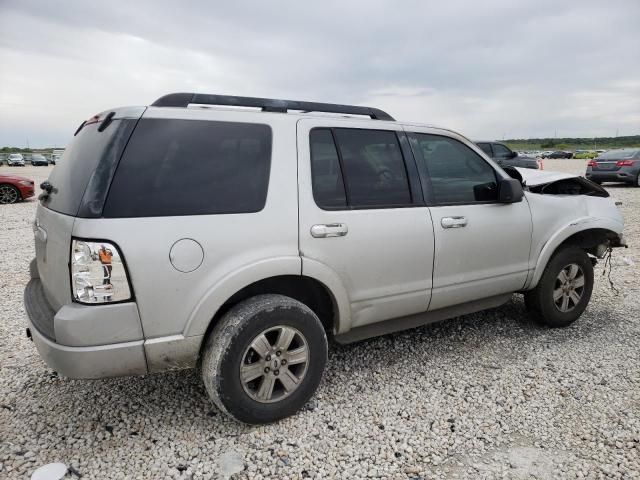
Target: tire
x=9, y=194
x=230, y=346
x=637, y=182
x=575, y=294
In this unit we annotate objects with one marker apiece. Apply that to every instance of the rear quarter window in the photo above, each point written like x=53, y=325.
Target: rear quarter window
x=82, y=176
x=192, y=167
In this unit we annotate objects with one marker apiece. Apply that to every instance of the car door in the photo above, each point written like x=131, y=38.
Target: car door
x=364, y=226
x=481, y=246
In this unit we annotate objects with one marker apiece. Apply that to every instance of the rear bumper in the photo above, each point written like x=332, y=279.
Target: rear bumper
x=73, y=324
x=621, y=175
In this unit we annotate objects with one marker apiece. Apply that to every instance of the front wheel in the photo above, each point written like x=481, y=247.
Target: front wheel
x=264, y=359
x=564, y=289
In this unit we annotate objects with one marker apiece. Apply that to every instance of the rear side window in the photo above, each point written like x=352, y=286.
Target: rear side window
x=457, y=174
x=328, y=185
x=500, y=151
x=192, y=167
x=354, y=168
x=486, y=148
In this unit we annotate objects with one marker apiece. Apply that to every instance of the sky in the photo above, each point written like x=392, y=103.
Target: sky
x=489, y=69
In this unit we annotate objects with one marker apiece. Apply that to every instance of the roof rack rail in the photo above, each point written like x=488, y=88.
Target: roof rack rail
x=266, y=104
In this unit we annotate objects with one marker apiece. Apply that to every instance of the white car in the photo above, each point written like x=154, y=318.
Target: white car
x=238, y=240
x=15, y=160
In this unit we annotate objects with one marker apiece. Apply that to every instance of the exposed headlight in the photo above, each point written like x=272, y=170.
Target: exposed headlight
x=98, y=274
x=26, y=183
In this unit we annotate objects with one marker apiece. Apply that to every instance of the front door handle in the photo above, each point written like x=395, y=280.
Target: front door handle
x=453, y=222
x=326, y=230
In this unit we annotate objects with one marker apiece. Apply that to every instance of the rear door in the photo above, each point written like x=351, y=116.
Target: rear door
x=363, y=217
x=481, y=246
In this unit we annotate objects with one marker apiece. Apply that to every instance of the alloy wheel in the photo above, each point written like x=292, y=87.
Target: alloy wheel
x=568, y=288
x=274, y=364
x=8, y=194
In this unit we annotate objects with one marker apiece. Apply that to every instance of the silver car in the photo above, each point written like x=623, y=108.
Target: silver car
x=239, y=240
x=15, y=160
x=621, y=165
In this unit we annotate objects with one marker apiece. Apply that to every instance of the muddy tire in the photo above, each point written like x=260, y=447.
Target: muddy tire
x=564, y=290
x=264, y=359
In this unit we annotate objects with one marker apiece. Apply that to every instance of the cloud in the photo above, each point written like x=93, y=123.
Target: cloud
x=489, y=69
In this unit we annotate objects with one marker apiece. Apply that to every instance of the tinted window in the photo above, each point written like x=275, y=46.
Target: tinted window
x=500, y=151
x=457, y=173
x=328, y=186
x=486, y=148
x=191, y=167
x=374, y=170
x=89, y=159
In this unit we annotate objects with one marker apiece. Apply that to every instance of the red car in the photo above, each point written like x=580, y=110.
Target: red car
x=14, y=188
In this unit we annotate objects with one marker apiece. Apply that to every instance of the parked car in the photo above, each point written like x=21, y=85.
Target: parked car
x=504, y=156
x=38, y=160
x=15, y=160
x=616, y=166
x=55, y=158
x=298, y=226
x=558, y=154
x=14, y=188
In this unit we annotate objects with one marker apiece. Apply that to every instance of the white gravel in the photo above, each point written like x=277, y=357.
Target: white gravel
x=490, y=395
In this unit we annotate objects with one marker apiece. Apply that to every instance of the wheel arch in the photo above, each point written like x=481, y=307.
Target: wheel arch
x=587, y=235
x=305, y=289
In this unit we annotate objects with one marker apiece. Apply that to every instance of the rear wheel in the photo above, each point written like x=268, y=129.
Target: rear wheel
x=564, y=289
x=9, y=194
x=264, y=359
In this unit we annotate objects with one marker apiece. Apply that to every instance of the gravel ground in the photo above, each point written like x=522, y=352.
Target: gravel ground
x=490, y=395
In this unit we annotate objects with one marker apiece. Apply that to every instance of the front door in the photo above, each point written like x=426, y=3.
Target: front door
x=481, y=246
x=363, y=220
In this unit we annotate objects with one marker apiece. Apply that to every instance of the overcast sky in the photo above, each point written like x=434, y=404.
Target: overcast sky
x=492, y=69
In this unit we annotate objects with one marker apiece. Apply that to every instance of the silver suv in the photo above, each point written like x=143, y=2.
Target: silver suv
x=237, y=240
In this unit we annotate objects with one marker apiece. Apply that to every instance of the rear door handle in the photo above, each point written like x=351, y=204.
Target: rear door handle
x=453, y=222
x=326, y=230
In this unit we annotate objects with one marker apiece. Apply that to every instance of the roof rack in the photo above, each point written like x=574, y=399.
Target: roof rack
x=266, y=104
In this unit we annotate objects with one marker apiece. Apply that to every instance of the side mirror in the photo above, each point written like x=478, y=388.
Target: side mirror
x=510, y=191
x=514, y=154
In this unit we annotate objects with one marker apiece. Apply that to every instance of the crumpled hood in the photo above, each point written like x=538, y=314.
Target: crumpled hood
x=541, y=177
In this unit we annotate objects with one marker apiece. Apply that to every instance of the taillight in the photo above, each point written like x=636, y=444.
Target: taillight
x=624, y=163
x=98, y=274
x=592, y=163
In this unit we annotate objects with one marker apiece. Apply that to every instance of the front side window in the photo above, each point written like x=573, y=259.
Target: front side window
x=500, y=151
x=457, y=174
x=356, y=168
x=191, y=167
